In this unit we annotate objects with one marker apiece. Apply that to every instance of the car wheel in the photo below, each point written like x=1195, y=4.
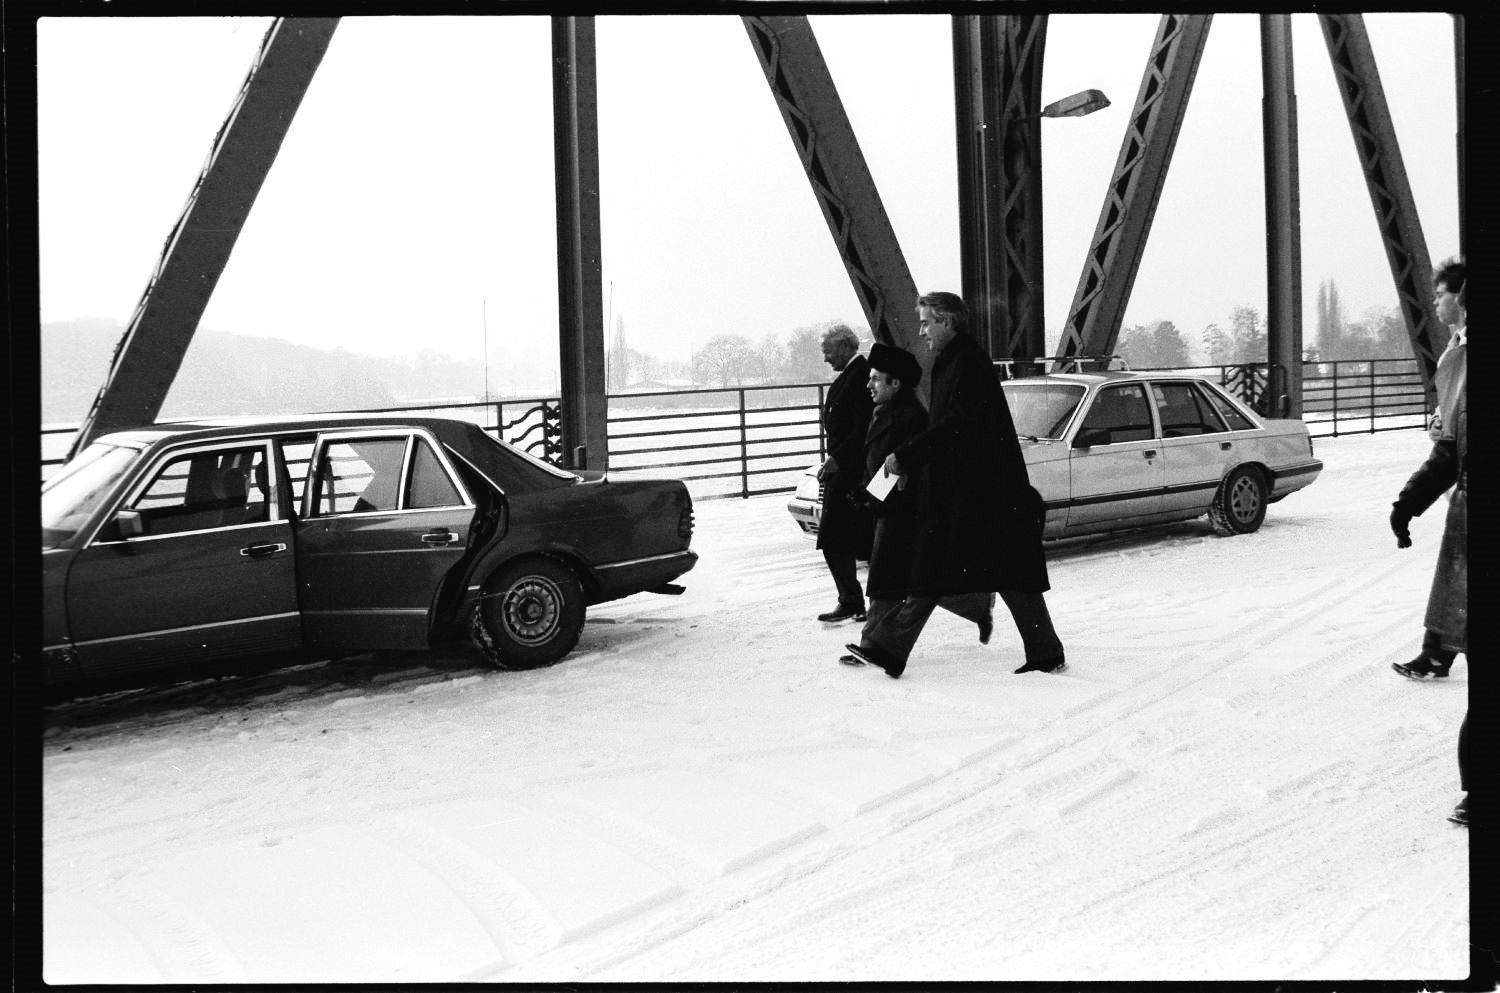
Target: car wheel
x=1240, y=505
x=529, y=616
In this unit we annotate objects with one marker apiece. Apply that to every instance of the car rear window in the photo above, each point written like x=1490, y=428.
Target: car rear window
x=513, y=470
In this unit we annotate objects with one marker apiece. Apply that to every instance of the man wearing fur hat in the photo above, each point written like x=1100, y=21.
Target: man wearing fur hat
x=899, y=417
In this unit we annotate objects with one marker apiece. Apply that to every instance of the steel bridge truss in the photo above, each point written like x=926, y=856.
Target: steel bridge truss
x=809, y=103
x=1390, y=193
x=997, y=70
x=997, y=75
x=151, y=351
x=1130, y=202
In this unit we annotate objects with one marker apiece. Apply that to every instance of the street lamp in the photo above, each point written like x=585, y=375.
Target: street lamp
x=1076, y=105
x=1000, y=222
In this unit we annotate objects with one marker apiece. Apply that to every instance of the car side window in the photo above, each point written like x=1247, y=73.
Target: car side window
x=1183, y=411
x=1236, y=420
x=201, y=490
x=1119, y=413
x=296, y=453
x=358, y=475
x=427, y=484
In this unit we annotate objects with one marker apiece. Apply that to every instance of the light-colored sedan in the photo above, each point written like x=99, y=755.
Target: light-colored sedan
x=1113, y=450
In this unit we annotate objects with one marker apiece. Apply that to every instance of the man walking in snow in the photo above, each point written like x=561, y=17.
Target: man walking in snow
x=980, y=520
x=1447, y=606
x=899, y=417
x=1447, y=620
x=845, y=529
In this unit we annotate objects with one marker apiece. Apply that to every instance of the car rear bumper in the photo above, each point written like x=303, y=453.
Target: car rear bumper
x=618, y=579
x=1291, y=478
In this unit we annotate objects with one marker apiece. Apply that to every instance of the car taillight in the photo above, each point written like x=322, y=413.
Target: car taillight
x=685, y=525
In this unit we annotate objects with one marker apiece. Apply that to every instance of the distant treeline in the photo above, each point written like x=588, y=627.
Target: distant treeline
x=242, y=374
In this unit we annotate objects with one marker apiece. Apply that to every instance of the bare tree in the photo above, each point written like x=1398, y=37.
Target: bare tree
x=770, y=358
x=725, y=358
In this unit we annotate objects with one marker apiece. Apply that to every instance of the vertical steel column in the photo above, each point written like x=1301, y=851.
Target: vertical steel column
x=1459, y=83
x=1130, y=202
x=1379, y=154
x=198, y=248
x=997, y=66
x=580, y=280
x=809, y=103
x=1283, y=217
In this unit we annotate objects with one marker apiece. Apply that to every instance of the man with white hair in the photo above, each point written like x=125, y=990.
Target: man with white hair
x=845, y=529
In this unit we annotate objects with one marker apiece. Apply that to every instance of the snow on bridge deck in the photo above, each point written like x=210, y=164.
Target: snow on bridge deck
x=1227, y=783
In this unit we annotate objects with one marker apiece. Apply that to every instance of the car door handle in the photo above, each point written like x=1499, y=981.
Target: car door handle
x=439, y=537
x=262, y=550
x=1149, y=453
x=1225, y=446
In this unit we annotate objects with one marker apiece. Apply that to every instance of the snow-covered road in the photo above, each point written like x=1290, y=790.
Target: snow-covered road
x=1227, y=783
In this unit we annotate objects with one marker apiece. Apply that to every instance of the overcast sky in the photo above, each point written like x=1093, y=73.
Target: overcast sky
x=413, y=199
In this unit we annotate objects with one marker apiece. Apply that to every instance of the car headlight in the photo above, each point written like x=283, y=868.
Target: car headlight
x=808, y=488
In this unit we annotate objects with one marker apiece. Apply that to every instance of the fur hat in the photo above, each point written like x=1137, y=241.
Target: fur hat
x=897, y=362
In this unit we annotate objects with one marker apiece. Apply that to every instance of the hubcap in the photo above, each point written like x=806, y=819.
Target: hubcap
x=1244, y=499
x=532, y=609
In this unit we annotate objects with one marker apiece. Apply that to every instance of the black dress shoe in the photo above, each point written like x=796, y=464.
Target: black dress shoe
x=1046, y=665
x=849, y=660
x=875, y=657
x=1423, y=667
x=843, y=612
x=1460, y=813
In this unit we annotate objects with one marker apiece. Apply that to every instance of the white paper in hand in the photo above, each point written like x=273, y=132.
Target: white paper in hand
x=881, y=485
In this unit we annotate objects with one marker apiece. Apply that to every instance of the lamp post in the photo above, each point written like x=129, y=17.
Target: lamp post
x=1079, y=104
x=1000, y=177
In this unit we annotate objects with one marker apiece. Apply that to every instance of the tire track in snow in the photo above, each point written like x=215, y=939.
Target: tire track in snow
x=1106, y=779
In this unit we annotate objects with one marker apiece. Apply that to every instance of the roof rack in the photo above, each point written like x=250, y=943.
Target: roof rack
x=1019, y=367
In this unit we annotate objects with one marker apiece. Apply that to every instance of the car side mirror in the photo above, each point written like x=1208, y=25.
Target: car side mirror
x=1088, y=439
x=130, y=523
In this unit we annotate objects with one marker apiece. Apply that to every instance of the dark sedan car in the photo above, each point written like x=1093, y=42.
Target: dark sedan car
x=196, y=542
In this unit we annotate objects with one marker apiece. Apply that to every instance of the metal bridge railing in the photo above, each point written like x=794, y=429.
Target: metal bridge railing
x=748, y=440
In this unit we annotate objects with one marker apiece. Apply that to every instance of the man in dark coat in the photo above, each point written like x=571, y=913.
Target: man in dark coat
x=1445, y=623
x=845, y=530
x=1447, y=466
x=980, y=519
x=899, y=417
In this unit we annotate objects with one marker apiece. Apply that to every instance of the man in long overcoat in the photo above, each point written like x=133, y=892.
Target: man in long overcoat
x=845, y=529
x=899, y=417
x=1446, y=622
x=980, y=519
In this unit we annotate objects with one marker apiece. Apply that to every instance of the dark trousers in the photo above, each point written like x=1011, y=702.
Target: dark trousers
x=1465, y=754
x=1432, y=647
x=842, y=566
x=894, y=631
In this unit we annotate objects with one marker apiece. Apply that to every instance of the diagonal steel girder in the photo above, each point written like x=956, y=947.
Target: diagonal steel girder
x=809, y=103
x=152, y=348
x=1130, y=203
x=997, y=70
x=1379, y=154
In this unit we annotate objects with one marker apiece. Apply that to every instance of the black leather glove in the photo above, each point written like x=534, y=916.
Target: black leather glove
x=1401, y=525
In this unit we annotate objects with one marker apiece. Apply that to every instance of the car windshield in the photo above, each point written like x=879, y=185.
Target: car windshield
x=1041, y=410
x=75, y=492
